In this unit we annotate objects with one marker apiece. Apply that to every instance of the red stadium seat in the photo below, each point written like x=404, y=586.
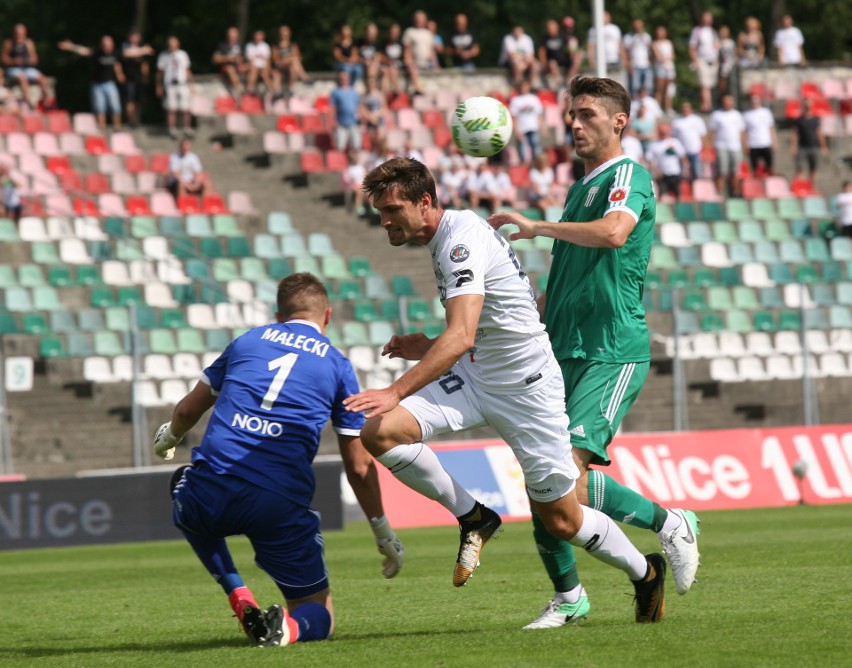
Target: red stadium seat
x=85, y=207
x=213, y=203
x=137, y=205
x=760, y=89
x=33, y=124
x=70, y=181
x=312, y=123
x=312, y=162
x=97, y=184
x=821, y=107
x=322, y=103
x=432, y=118
x=497, y=95
x=442, y=136
x=58, y=122
x=188, y=204
x=519, y=175
x=400, y=101
x=792, y=109
x=225, y=104
x=846, y=107
x=547, y=97
x=336, y=161
x=753, y=188
x=134, y=163
x=33, y=206
x=685, y=191
x=58, y=164
x=251, y=104
x=801, y=187
x=811, y=90
x=9, y=123
x=96, y=145
x=288, y=123
x=159, y=163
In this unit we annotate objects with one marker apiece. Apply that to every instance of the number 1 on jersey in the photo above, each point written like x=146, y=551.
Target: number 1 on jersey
x=284, y=364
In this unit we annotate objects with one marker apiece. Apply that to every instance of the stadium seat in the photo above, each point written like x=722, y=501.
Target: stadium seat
x=188, y=204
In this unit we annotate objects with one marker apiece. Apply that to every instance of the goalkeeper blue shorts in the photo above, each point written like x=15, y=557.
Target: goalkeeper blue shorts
x=286, y=537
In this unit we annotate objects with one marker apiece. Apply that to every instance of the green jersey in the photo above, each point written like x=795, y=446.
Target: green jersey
x=594, y=295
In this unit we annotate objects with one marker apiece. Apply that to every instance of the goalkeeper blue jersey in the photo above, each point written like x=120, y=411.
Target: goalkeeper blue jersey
x=276, y=388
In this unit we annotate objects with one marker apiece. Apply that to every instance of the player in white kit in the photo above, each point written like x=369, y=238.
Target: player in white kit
x=492, y=365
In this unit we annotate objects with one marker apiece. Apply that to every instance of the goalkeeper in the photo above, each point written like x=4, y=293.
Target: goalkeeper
x=272, y=391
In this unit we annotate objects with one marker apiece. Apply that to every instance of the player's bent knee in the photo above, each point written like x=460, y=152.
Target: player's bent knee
x=560, y=520
x=384, y=432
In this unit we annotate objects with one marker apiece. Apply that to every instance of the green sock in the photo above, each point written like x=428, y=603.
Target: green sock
x=623, y=504
x=557, y=556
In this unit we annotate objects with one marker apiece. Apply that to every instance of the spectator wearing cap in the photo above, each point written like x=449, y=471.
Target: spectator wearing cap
x=761, y=137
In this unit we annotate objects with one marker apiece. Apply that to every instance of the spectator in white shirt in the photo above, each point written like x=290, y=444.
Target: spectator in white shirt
x=789, y=43
x=352, y=177
x=173, y=76
x=844, y=209
x=420, y=41
x=728, y=130
x=691, y=130
x=637, y=45
x=664, y=67
x=186, y=176
x=541, y=193
x=704, y=51
x=643, y=99
x=667, y=159
x=527, y=111
x=631, y=145
x=613, y=49
x=761, y=138
x=453, y=179
x=518, y=53
x=259, y=60
x=490, y=184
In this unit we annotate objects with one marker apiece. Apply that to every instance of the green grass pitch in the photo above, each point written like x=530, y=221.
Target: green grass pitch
x=774, y=590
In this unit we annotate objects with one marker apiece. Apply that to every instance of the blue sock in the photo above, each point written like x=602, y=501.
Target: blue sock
x=314, y=621
x=214, y=554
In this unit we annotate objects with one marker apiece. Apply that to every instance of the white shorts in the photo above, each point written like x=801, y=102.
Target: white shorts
x=176, y=98
x=533, y=423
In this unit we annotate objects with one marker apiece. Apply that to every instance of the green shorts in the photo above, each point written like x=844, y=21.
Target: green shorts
x=597, y=397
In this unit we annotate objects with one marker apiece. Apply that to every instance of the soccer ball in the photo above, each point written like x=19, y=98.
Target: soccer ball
x=481, y=126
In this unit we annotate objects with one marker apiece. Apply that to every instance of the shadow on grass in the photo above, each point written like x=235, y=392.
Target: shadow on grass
x=188, y=646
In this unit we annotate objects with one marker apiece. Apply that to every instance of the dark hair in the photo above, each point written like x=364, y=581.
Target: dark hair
x=411, y=178
x=301, y=293
x=610, y=93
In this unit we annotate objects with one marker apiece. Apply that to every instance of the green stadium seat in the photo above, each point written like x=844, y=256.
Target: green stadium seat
x=815, y=206
x=816, y=250
x=51, y=346
x=771, y=297
x=279, y=222
x=267, y=246
x=319, y=244
x=91, y=319
x=665, y=213
x=44, y=252
x=18, y=299
x=117, y=318
x=687, y=323
x=402, y=286
x=719, y=299
x=79, y=344
x=729, y=276
x=741, y=253
x=791, y=252
x=184, y=294
x=225, y=269
x=279, y=268
x=212, y=293
x=688, y=256
x=334, y=335
x=790, y=208
x=210, y=247
x=389, y=309
x=764, y=321
x=653, y=280
x=542, y=283
x=198, y=225
x=712, y=322
x=173, y=318
x=99, y=250
x=693, y=300
x=685, y=211
x=183, y=248
x=649, y=301
x=238, y=247
x=34, y=323
x=266, y=291
x=725, y=232
x=698, y=232
x=146, y=317
x=293, y=245
x=738, y=321
x=216, y=340
x=704, y=278
x=355, y=334
x=376, y=287
x=736, y=209
x=434, y=329
x=198, y=270
x=678, y=278
x=840, y=317
x=8, y=323
x=59, y=277
x=827, y=229
x=45, y=298
x=844, y=293
x=172, y=226
x=765, y=252
x=763, y=209
x=334, y=267
x=823, y=294
x=745, y=298
x=129, y=295
x=163, y=341
x=789, y=319
x=8, y=231
x=142, y=227
x=31, y=276
x=88, y=275
x=114, y=227
x=365, y=311
x=128, y=250
x=253, y=269
x=306, y=263
x=419, y=309
x=778, y=230
x=225, y=225
x=665, y=301
x=110, y=344
x=360, y=267
x=801, y=228
x=751, y=231
x=806, y=273
x=841, y=249
x=711, y=211
x=7, y=276
x=662, y=257
x=832, y=272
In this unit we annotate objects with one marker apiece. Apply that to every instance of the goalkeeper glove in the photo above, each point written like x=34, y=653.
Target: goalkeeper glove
x=389, y=546
x=165, y=441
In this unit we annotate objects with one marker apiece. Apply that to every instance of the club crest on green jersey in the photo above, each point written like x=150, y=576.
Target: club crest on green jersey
x=590, y=197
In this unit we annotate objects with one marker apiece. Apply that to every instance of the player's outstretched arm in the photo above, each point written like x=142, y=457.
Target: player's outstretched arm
x=611, y=231
x=363, y=477
x=408, y=346
x=527, y=228
x=186, y=414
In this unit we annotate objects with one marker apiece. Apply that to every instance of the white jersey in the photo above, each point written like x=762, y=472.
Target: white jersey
x=512, y=350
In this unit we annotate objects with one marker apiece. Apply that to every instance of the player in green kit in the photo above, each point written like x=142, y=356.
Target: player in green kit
x=594, y=315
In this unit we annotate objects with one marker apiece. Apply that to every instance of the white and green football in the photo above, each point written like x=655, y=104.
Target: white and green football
x=481, y=126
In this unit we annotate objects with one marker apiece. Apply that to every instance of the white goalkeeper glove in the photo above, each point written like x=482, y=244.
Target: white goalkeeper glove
x=389, y=546
x=165, y=441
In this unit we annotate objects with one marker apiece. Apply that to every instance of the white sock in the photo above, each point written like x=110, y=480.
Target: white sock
x=672, y=522
x=381, y=528
x=570, y=596
x=417, y=466
x=602, y=539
